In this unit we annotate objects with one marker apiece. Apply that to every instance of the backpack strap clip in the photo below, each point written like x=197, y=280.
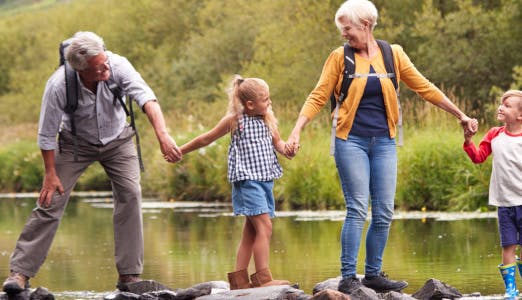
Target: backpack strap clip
x=349, y=74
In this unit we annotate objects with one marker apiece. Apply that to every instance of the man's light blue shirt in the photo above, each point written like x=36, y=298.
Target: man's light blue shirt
x=98, y=119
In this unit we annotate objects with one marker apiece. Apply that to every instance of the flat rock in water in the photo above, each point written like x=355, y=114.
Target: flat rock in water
x=149, y=289
x=329, y=294
x=274, y=292
x=143, y=286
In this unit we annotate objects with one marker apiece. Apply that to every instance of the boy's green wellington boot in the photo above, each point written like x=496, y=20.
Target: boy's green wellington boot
x=519, y=265
x=508, y=275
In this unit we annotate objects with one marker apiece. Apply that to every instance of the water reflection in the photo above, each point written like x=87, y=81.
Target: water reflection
x=185, y=245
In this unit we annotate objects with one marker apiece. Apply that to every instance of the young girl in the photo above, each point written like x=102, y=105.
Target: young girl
x=252, y=168
x=505, y=189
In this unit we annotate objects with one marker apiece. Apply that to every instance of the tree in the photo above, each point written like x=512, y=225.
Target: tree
x=461, y=49
x=291, y=59
x=221, y=40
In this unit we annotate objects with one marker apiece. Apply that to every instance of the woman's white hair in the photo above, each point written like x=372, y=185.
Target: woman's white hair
x=357, y=11
x=83, y=46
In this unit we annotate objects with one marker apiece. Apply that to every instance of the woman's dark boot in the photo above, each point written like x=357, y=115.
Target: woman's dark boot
x=381, y=283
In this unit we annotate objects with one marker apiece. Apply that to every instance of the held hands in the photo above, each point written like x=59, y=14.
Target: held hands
x=292, y=146
x=470, y=128
x=291, y=150
x=170, y=150
x=469, y=125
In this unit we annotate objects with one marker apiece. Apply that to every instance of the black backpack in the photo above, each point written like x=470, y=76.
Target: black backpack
x=72, y=95
x=349, y=75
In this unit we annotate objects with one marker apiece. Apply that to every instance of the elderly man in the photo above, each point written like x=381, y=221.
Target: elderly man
x=96, y=131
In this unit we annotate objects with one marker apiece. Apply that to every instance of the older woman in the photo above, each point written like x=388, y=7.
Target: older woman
x=365, y=148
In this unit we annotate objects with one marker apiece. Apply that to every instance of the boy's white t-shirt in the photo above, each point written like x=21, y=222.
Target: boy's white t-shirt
x=505, y=188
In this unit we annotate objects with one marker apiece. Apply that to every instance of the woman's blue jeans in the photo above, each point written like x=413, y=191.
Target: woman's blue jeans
x=367, y=168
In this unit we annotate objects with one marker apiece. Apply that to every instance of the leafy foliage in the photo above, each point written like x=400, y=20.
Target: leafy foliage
x=436, y=175
x=187, y=49
x=20, y=167
x=461, y=49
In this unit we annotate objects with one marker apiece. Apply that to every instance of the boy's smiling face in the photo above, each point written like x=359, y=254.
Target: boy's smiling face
x=510, y=110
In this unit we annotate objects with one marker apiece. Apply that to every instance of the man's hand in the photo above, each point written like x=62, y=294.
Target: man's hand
x=171, y=152
x=51, y=184
x=168, y=146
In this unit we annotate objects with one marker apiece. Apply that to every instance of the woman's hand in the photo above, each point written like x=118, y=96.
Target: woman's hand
x=293, y=140
x=468, y=134
x=469, y=125
x=292, y=145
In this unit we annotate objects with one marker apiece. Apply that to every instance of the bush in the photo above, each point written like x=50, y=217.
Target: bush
x=21, y=170
x=21, y=167
x=436, y=174
x=310, y=180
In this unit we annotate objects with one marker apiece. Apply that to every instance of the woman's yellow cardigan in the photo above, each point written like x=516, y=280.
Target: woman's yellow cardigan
x=331, y=77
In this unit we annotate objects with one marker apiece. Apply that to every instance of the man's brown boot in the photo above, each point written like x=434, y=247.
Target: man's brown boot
x=15, y=283
x=125, y=280
x=239, y=280
x=264, y=278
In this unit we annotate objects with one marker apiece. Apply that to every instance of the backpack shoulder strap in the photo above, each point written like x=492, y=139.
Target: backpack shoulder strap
x=71, y=95
x=117, y=92
x=390, y=69
x=71, y=89
x=349, y=69
x=387, y=54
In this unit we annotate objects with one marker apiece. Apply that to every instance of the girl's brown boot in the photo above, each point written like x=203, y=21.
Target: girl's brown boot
x=264, y=278
x=239, y=280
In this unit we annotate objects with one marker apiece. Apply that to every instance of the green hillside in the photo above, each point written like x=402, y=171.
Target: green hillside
x=11, y=7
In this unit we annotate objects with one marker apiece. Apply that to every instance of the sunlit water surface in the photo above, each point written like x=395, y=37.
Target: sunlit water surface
x=189, y=243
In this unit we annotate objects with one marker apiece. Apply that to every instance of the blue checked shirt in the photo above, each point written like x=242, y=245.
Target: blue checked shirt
x=251, y=154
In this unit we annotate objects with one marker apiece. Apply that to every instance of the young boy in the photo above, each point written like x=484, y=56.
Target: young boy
x=505, y=190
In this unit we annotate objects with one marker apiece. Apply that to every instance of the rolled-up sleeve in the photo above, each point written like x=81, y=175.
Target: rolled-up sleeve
x=131, y=81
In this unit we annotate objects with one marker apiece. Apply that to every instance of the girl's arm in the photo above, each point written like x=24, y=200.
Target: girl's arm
x=279, y=144
x=222, y=128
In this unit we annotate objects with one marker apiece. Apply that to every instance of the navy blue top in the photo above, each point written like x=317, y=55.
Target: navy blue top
x=370, y=118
